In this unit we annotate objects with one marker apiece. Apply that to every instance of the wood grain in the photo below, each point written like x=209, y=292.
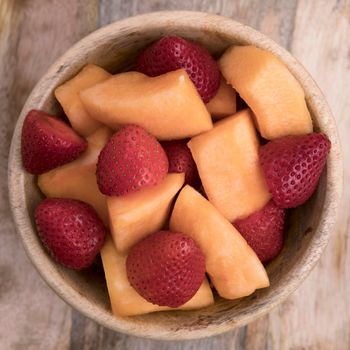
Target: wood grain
x=274, y=18
x=33, y=34
x=317, y=316
x=315, y=31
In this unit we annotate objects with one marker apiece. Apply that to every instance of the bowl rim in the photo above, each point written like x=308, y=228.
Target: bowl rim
x=196, y=20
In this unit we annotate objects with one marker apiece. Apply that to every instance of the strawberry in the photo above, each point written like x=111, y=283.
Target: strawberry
x=263, y=231
x=171, y=53
x=293, y=166
x=70, y=230
x=181, y=161
x=166, y=268
x=131, y=159
x=47, y=142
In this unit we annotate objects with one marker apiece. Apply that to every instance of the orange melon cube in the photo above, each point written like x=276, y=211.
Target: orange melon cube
x=67, y=95
x=77, y=179
x=228, y=164
x=223, y=104
x=159, y=104
x=232, y=265
x=269, y=88
x=134, y=216
x=125, y=301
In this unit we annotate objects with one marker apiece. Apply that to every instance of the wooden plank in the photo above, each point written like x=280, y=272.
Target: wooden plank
x=303, y=27
x=33, y=34
x=272, y=17
x=276, y=19
x=317, y=316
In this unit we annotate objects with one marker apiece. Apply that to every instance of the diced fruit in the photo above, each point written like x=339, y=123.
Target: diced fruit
x=228, y=164
x=77, y=179
x=141, y=213
x=132, y=159
x=269, y=88
x=293, y=166
x=70, y=230
x=232, y=265
x=223, y=104
x=263, y=231
x=181, y=161
x=171, y=53
x=125, y=300
x=167, y=106
x=166, y=268
x=67, y=95
x=47, y=142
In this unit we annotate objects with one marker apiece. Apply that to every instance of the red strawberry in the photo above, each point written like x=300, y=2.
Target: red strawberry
x=171, y=53
x=132, y=159
x=293, y=166
x=47, y=142
x=166, y=268
x=181, y=161
x=70, y=230
x=263, y=231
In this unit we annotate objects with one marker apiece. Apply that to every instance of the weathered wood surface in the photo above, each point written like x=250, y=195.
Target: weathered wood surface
x=33, y=33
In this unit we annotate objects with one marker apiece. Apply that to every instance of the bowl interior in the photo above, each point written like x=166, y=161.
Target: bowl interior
x=115, y=48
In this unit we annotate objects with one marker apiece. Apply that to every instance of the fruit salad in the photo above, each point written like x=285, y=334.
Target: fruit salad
x=178, y=173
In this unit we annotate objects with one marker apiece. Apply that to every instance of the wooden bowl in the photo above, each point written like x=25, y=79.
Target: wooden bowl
x=114, y=47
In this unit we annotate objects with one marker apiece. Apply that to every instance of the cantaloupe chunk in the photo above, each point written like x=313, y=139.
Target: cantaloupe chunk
x=223, y=103
x=77, y=179
x=125, y=301
x=134, y=216
x=232, y=265
x=167, y=106
x=228, y=164
x=270, y=90
x=68, y=96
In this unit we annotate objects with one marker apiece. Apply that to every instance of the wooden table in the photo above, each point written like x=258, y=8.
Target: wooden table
x=33, y=33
